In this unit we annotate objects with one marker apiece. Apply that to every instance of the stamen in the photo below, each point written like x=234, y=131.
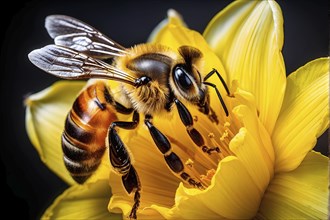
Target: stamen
x=208, y=177
x=193, y=172
x=195, y=118
x=215, y=143
x=211, y=135
x=212, y=147
x=224, y=135
x=205, y=179
x=189, y=162
x=234, y=123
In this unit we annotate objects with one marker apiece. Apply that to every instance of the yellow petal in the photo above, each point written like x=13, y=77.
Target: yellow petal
x=224, y=198
x=304, y=115
x=252, y=145
x=299, y=194
x=248, y=37
x=45, y=115
x=249, y=118
x=173, y=17
x=87, y=201
x=174, y=35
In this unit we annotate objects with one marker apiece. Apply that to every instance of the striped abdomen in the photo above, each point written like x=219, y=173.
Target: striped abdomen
x=86, y=126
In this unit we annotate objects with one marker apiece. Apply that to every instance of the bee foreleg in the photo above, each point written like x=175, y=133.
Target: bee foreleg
x=212, y=116
x=172, y=159
x=194, y=134
x=207, y=110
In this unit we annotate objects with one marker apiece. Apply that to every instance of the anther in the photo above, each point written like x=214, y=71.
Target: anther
x=211, y=135
x=226, y=124
x=189, y=163
x=224, y=135
x=210, y=174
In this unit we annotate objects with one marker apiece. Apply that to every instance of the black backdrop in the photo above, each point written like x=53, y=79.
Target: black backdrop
x=28, y=185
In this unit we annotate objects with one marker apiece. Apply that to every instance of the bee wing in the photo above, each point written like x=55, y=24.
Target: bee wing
x=73, y=33
x=70, y=64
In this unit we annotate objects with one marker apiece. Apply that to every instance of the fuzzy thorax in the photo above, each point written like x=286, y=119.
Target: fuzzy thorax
x=148, y=99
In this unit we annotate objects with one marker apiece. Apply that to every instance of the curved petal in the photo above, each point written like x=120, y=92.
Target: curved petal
x=253, y=145
x=224, y=198
x=304, y=115
x=248, y=36
x=87, y=201
x=173, y=17
x=45, y=116
x=299, y=194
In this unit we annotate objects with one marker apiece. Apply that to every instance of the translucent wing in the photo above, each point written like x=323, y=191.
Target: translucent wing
x=70, y=64
x=75, y=34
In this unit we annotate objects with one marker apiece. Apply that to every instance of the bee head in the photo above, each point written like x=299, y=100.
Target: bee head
x=186, y=78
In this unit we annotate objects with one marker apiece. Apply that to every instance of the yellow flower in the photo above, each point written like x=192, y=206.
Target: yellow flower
x=265, y=168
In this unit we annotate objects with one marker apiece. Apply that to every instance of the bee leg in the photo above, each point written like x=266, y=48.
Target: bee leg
x=172, y=159
x=118, y=106
x=216, y=89
x=122, y=109
x=131, y=181
x=194, y=134
x=212, y=116
x=121, y=161
x=206, y=109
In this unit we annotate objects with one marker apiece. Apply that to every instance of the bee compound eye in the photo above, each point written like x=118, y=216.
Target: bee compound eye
x=182, y=78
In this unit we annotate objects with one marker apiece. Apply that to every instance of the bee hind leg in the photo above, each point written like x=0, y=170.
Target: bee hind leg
x=121, y=162
x=131, y=182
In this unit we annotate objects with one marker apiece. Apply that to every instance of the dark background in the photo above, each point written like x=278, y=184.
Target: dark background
x=28, y=185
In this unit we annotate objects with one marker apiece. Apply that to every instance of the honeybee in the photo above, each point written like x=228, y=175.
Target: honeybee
x=154, y=79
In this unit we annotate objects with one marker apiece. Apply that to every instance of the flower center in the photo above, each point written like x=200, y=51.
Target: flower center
x=201, y=162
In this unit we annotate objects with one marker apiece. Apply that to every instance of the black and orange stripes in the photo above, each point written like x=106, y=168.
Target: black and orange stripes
x=86, y=126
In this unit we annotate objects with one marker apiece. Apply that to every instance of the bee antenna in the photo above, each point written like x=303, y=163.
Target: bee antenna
x=220, y=77
x=216, y=89
x=219, y=96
